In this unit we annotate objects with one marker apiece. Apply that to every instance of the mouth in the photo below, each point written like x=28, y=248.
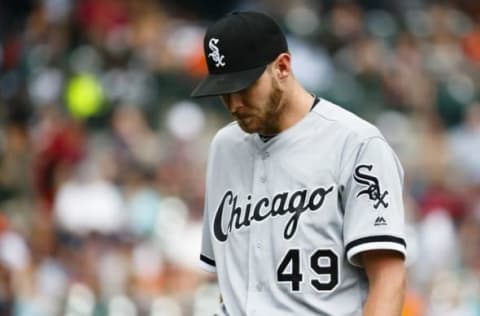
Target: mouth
x=242, y=117
x=244, y=120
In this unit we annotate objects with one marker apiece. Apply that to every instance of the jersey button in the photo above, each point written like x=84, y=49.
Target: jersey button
x=259, y=245
x=263, y=179
x=259, y=286
x=265, y=155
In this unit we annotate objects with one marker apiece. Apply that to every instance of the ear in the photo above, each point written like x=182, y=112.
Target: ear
x=282, y=66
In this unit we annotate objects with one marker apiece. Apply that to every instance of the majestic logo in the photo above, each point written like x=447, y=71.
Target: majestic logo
x=281, y=204
x=380, y=221
x=372, y=185
x=215, y=52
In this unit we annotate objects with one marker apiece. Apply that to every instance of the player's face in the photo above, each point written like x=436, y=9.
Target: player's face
x=257, y=108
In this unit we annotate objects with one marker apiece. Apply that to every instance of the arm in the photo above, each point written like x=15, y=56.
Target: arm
x=387, y=278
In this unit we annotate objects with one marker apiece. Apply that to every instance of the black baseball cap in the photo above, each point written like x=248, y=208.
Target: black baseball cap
x=238, y=48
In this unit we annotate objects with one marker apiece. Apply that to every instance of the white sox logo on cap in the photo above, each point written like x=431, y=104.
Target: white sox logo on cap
x=215, y=53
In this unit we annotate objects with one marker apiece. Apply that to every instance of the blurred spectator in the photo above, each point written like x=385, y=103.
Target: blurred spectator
x=464, y=142
x=58, y=147
x=84, y=206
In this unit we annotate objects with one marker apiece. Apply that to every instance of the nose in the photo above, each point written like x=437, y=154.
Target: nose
x=233, y=102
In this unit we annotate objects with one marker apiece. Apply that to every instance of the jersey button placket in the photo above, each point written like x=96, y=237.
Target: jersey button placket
x=264, y=155
x=256, y=274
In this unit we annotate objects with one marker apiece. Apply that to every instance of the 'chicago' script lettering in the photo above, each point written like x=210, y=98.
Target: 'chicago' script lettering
x=280, y=205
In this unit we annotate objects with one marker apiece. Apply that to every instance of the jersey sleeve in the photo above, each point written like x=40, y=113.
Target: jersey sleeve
x=207, y=258
x=371, y=195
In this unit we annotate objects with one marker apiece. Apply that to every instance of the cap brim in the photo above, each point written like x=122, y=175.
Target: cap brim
x=219, y=84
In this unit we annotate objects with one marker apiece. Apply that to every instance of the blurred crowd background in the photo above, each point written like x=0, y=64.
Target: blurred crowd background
x=102, y=152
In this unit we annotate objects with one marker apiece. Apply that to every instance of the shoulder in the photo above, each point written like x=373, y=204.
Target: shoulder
x=351, y=134
x=227, y=136
x=345, y=122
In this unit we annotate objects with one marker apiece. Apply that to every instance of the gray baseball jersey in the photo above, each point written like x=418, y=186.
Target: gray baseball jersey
x=285, y=219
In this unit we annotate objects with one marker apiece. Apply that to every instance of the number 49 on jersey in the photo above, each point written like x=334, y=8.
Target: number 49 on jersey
x=323, y=262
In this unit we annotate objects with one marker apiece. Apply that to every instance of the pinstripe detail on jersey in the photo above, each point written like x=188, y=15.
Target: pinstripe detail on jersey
x=371, y=239
x=207, y=260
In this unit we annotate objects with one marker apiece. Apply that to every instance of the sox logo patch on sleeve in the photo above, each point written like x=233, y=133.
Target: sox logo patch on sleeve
x=371, y=185
x=284, y=223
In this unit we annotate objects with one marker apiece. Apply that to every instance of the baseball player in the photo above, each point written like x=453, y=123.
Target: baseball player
x=303, y=208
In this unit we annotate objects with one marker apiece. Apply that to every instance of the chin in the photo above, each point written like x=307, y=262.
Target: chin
x=248, y=128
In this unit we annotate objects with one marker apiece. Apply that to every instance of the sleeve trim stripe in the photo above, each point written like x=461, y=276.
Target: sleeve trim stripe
x=381, y=238
x=206, y=267
x=207, y=260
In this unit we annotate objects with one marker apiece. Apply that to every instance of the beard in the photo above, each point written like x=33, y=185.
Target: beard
x=265, y=120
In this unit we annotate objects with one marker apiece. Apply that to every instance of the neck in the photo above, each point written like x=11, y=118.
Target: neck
x=297, y=104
